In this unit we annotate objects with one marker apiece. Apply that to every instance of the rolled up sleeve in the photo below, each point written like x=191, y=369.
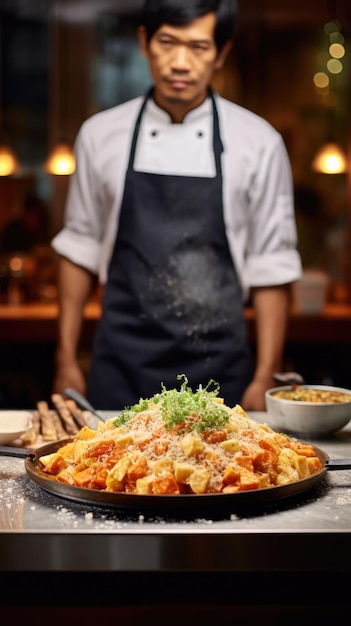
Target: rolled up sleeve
x=273, y=269
x=81, y=250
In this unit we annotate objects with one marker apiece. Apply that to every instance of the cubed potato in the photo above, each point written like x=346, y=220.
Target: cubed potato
x=53, y=463
x=192, y=445
x=182, y=471
x=112, y=484
x=81, y=449
x=144, y=484
x=232, y=426
x=119, y=471
x=286, y=459
x=289, y=475
x=301, y=465
x=264, y=480
x=199, y=479
x=161, y=466
x=298, y=462
x=86, y=433
x=230, y=445
x=67, y=450
x=115, y=478
x=123, y=440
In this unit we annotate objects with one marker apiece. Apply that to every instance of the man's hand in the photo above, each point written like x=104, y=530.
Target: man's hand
x=69, y=376
x=253, y=397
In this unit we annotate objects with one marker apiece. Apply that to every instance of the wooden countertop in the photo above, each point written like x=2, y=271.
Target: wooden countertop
x=37, y=321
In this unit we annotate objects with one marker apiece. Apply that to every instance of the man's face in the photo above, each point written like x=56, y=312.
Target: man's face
x=182, y=60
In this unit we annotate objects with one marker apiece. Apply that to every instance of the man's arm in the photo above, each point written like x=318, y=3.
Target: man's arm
x=74, y=288
x=271, y=306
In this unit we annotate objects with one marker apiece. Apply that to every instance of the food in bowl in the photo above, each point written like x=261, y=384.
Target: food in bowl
x=309, y=410
x=301, y=394
x=13, y=424
x=181, y=442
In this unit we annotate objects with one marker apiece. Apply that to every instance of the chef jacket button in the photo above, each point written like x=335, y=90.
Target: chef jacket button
x=200, y=133
x=154, y=133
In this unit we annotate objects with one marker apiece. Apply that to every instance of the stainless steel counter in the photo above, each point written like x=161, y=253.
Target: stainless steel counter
x=41, y=532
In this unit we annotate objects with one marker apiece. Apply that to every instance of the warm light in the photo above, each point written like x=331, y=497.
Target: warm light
x=61, y=160
x=9, y=163
x=337, y=50
x=321, y=80
x=334, y=66
x=16, y=264
x=330, y=159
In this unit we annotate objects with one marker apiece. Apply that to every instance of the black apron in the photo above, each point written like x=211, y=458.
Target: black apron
x=172, y=304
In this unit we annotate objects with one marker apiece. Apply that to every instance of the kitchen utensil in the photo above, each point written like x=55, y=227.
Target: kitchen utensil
x=292, y=378
x=82, y=402
x=307, y=419
x=176, y=504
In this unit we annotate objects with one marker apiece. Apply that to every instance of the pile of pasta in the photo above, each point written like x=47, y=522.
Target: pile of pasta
x=181, y=442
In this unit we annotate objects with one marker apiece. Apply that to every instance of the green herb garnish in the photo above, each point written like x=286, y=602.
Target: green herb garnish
x=126, y=414
x=195, y=409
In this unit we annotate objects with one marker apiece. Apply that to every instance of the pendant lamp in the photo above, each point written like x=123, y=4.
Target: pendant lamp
x=9, y=163
x=330, y=159
x=61, y=160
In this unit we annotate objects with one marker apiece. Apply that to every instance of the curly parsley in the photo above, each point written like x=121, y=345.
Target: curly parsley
x=196, y=409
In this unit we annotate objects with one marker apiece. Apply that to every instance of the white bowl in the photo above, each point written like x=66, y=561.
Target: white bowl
x=13, y=424
x=307, y=419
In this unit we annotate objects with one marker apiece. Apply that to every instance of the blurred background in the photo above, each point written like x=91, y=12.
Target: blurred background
x=63, y=60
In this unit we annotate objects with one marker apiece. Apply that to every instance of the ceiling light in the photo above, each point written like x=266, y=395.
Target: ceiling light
x=330, y=159
x=9, y=163
x=61, y=160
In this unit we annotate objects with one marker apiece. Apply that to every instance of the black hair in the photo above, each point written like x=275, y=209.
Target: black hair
x=180, y=12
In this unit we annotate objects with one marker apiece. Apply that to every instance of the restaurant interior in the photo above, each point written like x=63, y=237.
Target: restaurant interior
x=61, y=61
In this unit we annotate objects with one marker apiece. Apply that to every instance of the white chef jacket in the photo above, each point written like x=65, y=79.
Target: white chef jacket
x=257, y=186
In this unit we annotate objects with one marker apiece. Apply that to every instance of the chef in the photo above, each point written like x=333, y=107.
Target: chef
x=182, y=205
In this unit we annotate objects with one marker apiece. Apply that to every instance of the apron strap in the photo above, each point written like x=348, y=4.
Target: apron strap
x=217, y=142
x=136, y=129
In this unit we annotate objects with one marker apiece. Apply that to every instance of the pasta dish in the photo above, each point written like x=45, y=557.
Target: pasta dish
x=181, y=442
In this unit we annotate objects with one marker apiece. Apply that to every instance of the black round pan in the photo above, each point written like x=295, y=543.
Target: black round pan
x=186, y=503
